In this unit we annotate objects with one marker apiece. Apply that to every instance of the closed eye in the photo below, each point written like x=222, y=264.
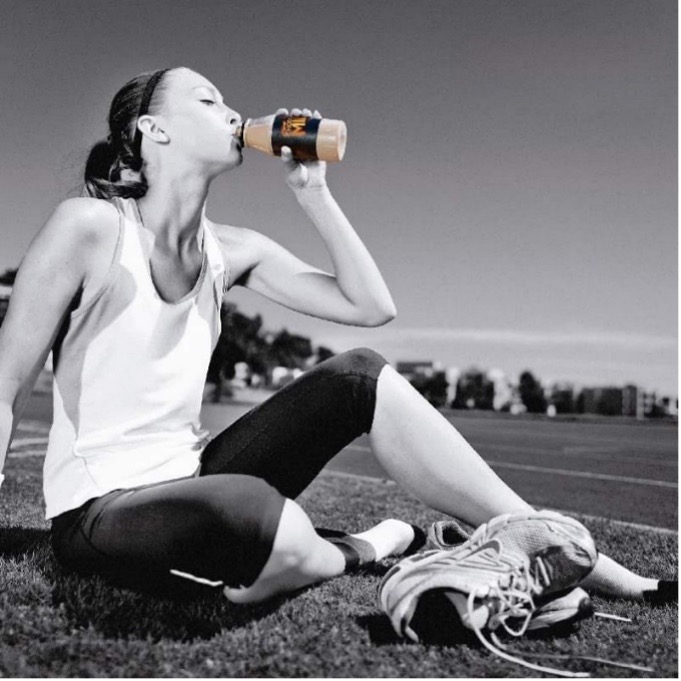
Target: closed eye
x=208, y=101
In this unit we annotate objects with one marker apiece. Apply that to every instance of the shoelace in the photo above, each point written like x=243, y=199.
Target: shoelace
x=571, y=656
x=509, y=607
x=513, y=596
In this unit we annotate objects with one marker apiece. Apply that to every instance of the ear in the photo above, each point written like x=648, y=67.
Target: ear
x=149, y=125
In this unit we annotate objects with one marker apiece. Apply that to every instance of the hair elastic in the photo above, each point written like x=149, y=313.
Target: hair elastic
x=144, y=107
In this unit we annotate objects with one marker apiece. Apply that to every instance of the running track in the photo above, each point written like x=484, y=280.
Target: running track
x=625, y=471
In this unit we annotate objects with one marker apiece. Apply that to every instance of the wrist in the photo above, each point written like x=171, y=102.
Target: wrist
x=314, y=194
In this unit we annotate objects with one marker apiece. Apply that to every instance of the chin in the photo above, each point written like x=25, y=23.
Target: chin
x=234, y=161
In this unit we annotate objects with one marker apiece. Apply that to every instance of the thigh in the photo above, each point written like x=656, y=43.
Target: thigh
x=290, y=437
x=220, y=527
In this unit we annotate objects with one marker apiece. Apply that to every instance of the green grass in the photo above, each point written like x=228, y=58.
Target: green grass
x=54, y=624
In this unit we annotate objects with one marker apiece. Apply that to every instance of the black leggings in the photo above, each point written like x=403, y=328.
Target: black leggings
x=220, y=525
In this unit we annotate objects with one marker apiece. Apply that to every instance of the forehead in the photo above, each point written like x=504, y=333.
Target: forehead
x=184, y=81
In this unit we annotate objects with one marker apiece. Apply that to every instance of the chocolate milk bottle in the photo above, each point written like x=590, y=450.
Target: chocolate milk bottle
x=310, y=139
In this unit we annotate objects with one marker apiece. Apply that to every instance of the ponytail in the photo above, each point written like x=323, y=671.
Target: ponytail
x=115, y=166
x=103, y=174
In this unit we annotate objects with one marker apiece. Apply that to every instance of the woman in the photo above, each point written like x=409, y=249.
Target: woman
x=125, y=286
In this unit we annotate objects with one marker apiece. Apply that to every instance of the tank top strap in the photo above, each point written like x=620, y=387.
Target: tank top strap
x=217, y=261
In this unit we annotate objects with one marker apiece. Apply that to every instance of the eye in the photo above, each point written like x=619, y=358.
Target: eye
x=210, y=102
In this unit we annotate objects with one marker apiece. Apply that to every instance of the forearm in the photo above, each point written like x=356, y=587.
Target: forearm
x=6, y=420
x=357, y=275
x=10, y=415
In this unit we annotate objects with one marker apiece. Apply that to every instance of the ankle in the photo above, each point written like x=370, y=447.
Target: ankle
x=390, y=537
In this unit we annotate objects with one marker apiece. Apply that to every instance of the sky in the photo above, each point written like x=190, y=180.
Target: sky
x=511, y=166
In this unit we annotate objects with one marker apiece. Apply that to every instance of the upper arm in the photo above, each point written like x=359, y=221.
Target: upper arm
x=266, y=267
x=50, y=276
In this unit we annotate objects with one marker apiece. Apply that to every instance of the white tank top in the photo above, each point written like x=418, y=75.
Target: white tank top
x=129, y=373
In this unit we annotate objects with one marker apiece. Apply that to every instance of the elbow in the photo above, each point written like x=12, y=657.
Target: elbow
x=382, y=315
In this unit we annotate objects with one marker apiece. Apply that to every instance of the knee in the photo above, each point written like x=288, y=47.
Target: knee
x=362, y=361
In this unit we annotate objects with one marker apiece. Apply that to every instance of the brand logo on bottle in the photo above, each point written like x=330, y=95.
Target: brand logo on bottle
x=297, y=132
x=294, y=126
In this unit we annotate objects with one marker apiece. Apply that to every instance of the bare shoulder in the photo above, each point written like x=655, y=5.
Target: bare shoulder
x=81, y=225
x=52, y=273
x=82, y=218
x=79, y=238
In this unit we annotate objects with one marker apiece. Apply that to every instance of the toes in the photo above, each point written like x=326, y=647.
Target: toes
x=239, y=594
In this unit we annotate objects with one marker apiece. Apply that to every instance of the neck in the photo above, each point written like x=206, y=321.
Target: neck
x=172, y=209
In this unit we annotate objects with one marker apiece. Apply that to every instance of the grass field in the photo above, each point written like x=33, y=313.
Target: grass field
x=54, y=624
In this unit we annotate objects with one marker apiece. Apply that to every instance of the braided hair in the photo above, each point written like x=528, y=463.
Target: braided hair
x=105, y=175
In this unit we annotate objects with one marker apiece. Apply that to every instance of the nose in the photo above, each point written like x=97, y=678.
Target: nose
x=234, y=118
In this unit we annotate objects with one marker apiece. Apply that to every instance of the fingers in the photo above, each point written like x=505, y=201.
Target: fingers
x=287, y=157
x=302, y=112
x=297, y=172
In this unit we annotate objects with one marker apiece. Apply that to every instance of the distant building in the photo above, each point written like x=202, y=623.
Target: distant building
x=411, y=370
x=607, y=401
x=632, y=401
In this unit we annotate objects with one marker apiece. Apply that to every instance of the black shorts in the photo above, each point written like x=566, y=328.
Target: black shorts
x=221, y=525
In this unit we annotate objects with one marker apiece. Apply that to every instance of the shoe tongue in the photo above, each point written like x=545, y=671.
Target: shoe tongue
x=478, y=616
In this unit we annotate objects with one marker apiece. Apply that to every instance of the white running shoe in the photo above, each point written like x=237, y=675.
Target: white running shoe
x=493, y=578
x=562, y=610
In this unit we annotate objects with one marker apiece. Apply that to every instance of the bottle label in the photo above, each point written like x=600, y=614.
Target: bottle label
x=297, y=132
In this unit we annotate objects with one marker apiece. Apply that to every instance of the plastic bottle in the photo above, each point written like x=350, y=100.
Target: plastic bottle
x=310, y=139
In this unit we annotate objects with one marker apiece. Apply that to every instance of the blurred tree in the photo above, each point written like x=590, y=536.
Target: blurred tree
x=324, y=353
x=8, y=277
x=474, y=390
x=243, y=339
x=289, y=350
x=532, y=393
x=435, y=389
x=564, y=401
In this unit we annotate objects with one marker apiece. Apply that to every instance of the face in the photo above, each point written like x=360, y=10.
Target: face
x=197, y=122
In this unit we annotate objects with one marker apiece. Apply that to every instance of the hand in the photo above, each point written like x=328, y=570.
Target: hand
x=307, y=174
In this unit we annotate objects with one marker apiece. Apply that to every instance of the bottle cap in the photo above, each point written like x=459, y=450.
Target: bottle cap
x=332, y=138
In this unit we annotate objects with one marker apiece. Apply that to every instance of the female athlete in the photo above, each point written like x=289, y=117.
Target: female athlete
x=124, y=285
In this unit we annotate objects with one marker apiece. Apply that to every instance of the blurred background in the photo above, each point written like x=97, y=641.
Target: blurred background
x=512, y=167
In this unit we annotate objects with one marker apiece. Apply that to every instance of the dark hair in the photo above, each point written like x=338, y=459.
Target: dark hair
x=121, y=149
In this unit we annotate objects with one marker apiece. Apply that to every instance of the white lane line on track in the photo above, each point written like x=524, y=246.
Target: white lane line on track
x=562, y=471
x=582, y=474
x=597, y=518
x=25, y=441
x=26, y=454
x=589, y=452
x=34, y=426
